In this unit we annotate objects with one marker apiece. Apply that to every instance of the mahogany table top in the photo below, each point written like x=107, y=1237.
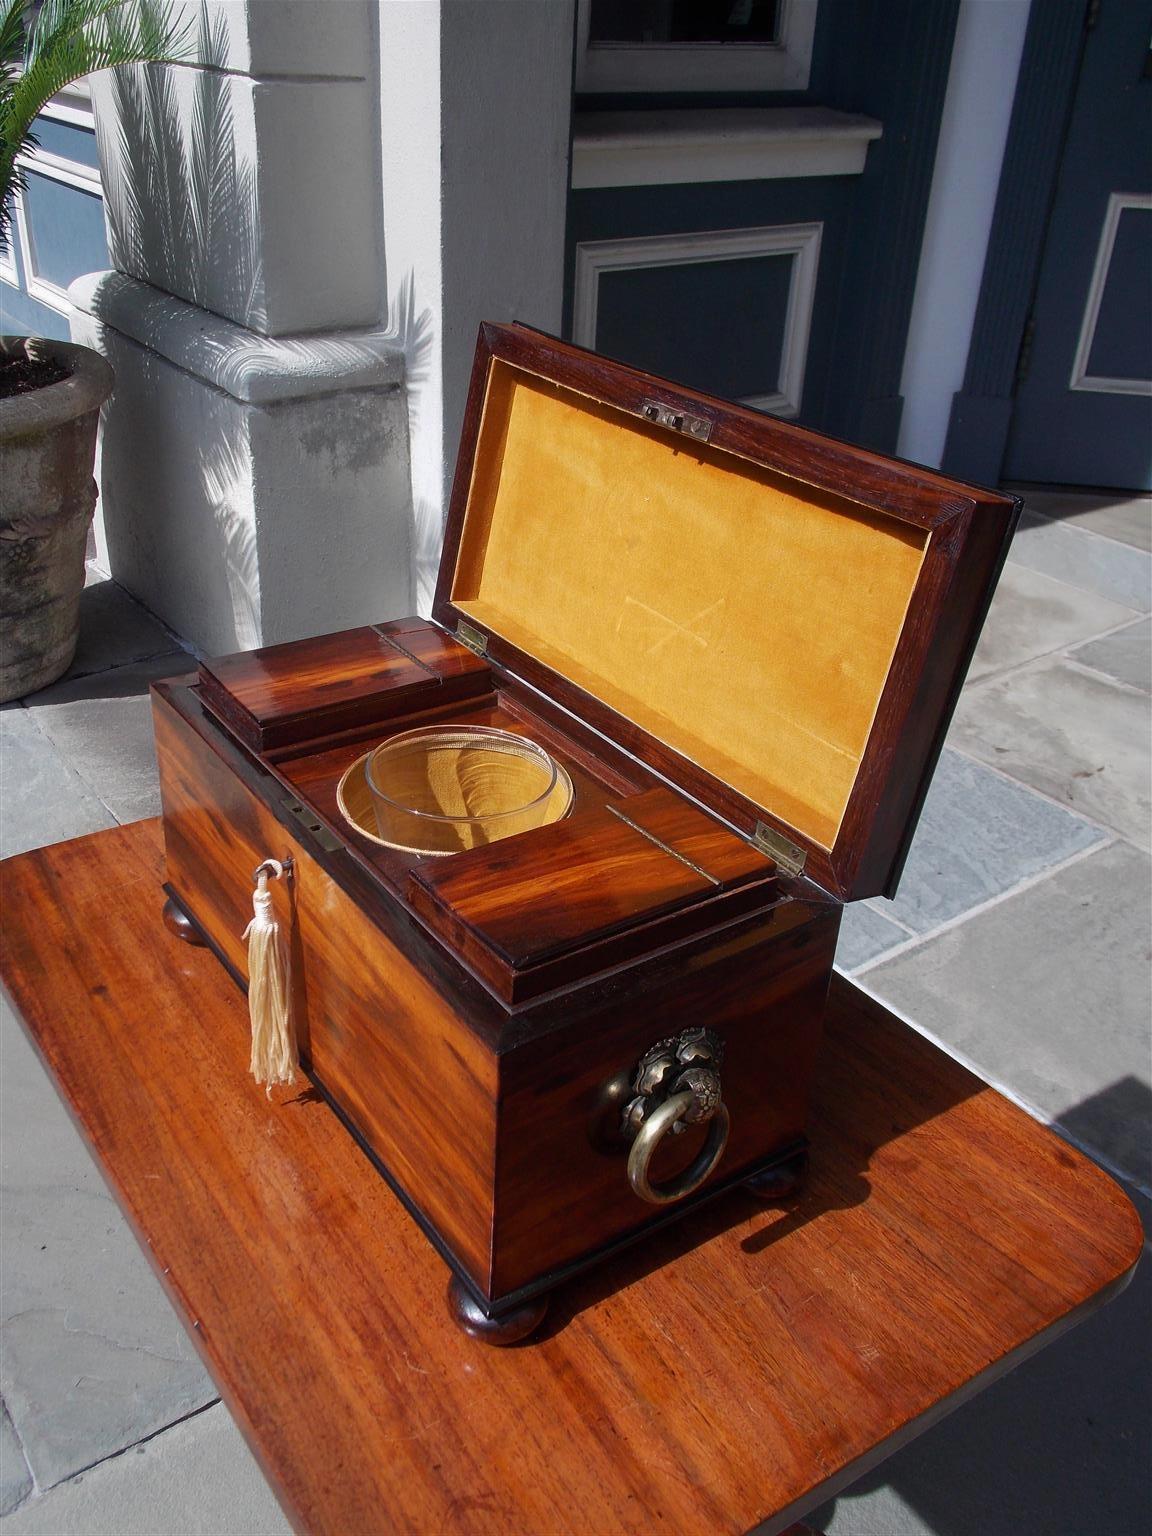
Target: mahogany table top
x=740, y=1367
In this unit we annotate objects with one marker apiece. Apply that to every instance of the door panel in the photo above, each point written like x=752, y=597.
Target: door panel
x=729, y=309
x=1114, y=354
x=729, y=286
x=1083, y=413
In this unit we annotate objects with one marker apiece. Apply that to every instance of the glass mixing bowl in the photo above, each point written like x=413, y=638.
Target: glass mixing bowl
x=445, y=789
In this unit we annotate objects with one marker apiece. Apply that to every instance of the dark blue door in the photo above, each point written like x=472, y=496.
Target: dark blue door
x=1083, y=413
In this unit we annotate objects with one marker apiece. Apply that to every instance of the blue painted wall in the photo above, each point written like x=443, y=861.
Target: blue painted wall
x=887, y=59
x=723, y=333
x=723, y=319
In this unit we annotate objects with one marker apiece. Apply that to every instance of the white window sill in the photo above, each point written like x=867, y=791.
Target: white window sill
x=662, y=148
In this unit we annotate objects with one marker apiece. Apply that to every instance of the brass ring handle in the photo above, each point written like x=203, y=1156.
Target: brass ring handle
x=649, y=1137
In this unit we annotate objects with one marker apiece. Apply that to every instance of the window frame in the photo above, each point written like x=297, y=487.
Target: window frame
x=605, y=68
x=72, y=106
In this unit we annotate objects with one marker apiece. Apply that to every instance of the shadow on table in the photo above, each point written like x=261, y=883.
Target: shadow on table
x=1061, y=1447
x=877, y=1080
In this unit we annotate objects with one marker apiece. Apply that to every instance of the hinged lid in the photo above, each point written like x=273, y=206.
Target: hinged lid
x=776, y=622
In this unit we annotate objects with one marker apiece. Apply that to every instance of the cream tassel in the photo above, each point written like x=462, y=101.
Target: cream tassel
x=274, y=1058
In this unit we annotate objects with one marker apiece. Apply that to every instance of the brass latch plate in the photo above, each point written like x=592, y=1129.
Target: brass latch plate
x=675, y=420
x=328, y=840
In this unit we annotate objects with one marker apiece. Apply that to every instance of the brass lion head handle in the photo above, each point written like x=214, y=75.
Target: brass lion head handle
x=676, y=1084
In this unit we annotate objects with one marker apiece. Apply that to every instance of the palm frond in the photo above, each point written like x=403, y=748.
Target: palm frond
x=11, y=36
x=11, y=57
x=68, y=40
x=12, y=42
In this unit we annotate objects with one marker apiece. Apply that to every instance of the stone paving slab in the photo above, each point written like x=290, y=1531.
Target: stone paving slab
x=102, y=724
x=1058, y=1448
x=42, y=798
x=15, y=1478
x=114, y=630
x=1126, y=656
x=1048, y=992
x=1113, y=570
x=1115, y=514
x=980, y=835
x=92, y=1355
x=1073, y=734
x=196, y=1479
x=1033, y=614
x=864, y=934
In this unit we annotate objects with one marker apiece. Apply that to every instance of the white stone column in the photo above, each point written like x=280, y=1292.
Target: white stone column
x=254, y=460
x=969, y=157
x=253, y=489
x=475, y=106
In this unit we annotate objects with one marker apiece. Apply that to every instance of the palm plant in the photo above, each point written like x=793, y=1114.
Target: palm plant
x=46, y=45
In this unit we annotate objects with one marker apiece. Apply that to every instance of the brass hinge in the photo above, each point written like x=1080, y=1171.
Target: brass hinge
x=788, y=856
x=662, y=415
x=474, y=639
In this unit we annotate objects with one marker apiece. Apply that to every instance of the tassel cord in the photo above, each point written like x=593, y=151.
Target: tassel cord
x=274, y=1057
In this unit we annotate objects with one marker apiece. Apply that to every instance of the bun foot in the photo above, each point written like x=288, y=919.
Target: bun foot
x=178, y=922
x=779, y=1182
x=508, y=1328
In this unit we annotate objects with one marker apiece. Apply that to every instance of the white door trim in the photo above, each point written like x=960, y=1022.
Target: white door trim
x=1081, y=379
x=800, y=241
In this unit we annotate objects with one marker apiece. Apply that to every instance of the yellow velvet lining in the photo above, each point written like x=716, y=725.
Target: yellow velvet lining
x=746, y=620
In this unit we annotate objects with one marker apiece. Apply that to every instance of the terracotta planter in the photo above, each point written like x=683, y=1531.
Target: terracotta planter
x=47, y=494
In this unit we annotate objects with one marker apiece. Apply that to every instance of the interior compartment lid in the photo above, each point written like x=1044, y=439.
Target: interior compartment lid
x=776, y=622
x=281, y=695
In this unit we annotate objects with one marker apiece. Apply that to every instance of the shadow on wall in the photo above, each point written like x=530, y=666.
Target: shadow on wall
x=412, y=333
x=160, y=487
x=184, y=220
x=190, y=469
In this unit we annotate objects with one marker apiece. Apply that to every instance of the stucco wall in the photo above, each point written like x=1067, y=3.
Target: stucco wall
x=474, y=124
x=255, y=459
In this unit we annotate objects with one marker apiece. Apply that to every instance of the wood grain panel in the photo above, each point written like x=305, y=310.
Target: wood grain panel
x=394, y=1035
x=514, y=905
x=697, y=837
x=376, y=1032
x=741, y=1367
x=315, y=772
x=760, y=984
x=282, y=694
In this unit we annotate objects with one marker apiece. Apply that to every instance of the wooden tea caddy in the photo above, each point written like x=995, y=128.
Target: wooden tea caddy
x=743, y=642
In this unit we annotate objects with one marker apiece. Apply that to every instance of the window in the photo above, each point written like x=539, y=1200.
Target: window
x=683, y=21
x=694, y=45
x=58, y=220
